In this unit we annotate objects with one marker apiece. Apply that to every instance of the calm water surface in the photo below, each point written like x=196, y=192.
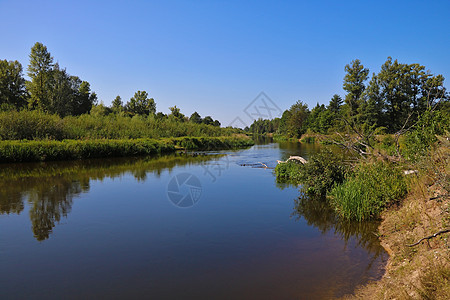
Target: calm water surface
x=115, y=229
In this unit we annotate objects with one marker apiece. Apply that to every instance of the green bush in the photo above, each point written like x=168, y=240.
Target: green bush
x=30, y=125
x=423, y=135
x=323, y=171
x=289, y=172
x=318, y=176
x=366, y=192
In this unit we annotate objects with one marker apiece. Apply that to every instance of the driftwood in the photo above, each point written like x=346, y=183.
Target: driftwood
x=264, y=165
x=297, y=158
x=408, y=172
x=430, y=237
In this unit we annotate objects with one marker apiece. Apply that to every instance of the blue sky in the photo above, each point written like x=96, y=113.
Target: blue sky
x=215, y=57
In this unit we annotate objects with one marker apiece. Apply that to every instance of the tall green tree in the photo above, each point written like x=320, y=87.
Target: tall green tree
x=141, y=104
x=176, y=114
x=407, y=91
x=62, y=95
x=40, y=72
x=208, y=120
x=117, y=104
x=335, y=104
x=12, y=84
x=283, y=124
x=195, y=118
x=354, y=85
x=320, y=119
x=335, y=112
x=85, y=99
x=296, y=124
x=372, y=105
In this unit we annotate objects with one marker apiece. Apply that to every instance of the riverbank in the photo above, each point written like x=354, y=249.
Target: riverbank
x=48, y=150
x=415, y=224
x=417, y=270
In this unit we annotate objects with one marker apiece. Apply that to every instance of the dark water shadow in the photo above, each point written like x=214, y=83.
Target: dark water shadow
x=318, y=213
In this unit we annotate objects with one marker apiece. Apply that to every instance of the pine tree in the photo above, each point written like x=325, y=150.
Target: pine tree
x=354, y=85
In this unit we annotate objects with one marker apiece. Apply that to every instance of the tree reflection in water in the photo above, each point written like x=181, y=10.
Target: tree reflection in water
x=49, y=202
x=319, y=214
x=49, y=188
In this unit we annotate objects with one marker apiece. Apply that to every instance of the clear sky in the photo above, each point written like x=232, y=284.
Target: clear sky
x=215, y=57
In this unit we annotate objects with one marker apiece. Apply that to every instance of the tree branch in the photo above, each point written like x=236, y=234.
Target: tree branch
x=430, y=237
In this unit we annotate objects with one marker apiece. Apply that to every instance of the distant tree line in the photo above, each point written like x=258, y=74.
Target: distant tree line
x=392, y=99
x=53, y=90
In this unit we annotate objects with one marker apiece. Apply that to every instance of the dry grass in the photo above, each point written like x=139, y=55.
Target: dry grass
x=422, y=271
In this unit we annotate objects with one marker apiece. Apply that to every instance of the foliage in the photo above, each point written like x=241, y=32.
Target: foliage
x=293, y=122
x=354, y=85
x=423, y=135
x=40, y=73
x=52, y=89
x=405, y=89
x=261, y=126
x=30, y=125
x=289, y=171
x=368, y=190
x=12, y=84
x=140, y=104
x=335, y=105
x=117, y=104
x=195, y=118
x=323, y=171
x=100, y=110
x=320, y=119
x=393, y=99
x=100, y=124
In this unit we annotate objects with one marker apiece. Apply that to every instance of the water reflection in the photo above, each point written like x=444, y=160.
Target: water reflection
x=50, y=200
x=49, y=188
x=319, y=214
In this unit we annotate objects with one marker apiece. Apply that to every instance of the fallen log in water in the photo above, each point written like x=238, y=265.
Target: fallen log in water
x=297, y=158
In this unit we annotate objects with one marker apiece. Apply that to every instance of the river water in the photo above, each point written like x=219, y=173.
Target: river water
x=212, y=225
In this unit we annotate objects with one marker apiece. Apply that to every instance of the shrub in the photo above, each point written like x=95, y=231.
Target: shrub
x=420, y=140
x=323, y=171
x=365, y=193
x=30, y=125
x=289, y=172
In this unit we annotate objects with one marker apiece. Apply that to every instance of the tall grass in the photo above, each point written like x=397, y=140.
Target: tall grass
x=35, y=125
x=370, y=189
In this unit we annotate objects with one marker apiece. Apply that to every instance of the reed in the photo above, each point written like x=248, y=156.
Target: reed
x=368, y=191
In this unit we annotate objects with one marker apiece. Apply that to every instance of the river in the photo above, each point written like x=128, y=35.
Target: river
x=210, y=225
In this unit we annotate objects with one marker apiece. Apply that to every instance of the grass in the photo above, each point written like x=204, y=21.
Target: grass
x=368, y=191
x=47, y=150
x=36, y=125
x=421, y=271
